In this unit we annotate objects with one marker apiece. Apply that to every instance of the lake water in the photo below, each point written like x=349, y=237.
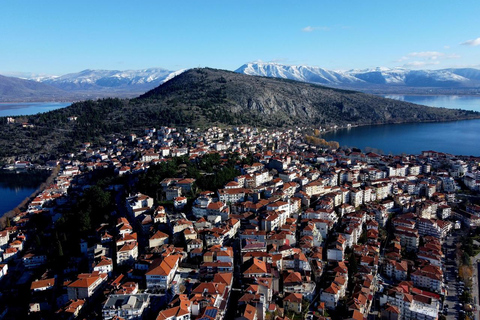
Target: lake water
x=456, y=137
x=15, y=187
x=27, y=108
x=451, y=102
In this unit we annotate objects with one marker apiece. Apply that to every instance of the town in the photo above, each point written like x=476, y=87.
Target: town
x=244, y=223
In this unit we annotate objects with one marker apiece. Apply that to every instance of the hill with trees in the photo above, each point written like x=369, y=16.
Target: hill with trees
x=207, y=97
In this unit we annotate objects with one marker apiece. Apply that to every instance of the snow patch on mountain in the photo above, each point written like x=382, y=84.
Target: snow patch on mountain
x=366, y=77
x=298, y=73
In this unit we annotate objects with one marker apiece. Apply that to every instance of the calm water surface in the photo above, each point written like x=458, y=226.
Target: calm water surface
x=27, y=108
x=451, y=102
x=15, y=187
x=456, y=137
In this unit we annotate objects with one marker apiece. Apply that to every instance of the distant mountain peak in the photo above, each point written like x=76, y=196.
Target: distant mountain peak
x=379, y=77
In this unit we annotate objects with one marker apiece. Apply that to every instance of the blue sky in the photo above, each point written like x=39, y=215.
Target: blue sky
x=58, y=37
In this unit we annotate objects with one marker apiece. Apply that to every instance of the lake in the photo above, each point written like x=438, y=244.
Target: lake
x=455, y=137
x=451, y=102
x=15, y=187
x=27, y=108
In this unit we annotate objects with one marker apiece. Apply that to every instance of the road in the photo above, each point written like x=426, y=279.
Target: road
x=475, y=286
x=450, y=276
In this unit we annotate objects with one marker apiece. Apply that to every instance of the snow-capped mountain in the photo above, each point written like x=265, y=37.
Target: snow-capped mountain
x=127, y=80
x=376, y=77
x=38, y=77
x=299, y=73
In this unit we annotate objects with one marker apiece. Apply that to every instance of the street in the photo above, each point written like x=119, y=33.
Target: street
x=475, y=286
x=450, y=276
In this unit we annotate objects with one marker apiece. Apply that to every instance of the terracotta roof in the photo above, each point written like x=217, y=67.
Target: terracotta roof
x=74, y=305
x=225, y=278
x=250, y=312
x=392, y=309
x=293, y=277
x=172, y=312
x=39, y=284
x=165, y=266
x=258, y=266
x=294, y=297
x=159, y=235
x=86, y=280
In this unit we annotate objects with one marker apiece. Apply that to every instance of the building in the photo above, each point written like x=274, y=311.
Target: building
x=161, y=274
x=126, y=306
x=86, y=285
x=293, y=302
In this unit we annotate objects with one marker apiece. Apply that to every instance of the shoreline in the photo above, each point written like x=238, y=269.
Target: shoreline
x=345, y=134
x=395, y=123
x=22, y=205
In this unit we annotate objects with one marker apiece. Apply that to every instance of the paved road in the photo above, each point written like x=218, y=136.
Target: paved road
x=475, y=286
x=450, y=276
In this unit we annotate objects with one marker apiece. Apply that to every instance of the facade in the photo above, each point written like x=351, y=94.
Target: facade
x=86, y=285
x=159, y=276
x=126, y=306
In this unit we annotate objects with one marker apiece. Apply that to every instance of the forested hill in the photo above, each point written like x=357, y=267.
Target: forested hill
x=206, y=97
x=232, y=98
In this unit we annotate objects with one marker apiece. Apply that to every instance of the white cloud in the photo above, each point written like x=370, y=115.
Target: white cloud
x=311, y=29
x=453, y=56
x=472, y=42
x=425, y=58
x=420, y=64
x=433, y=55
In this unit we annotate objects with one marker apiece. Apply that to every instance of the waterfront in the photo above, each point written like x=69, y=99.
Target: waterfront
x=15, y=187
x=455, y=137
x=28, y=108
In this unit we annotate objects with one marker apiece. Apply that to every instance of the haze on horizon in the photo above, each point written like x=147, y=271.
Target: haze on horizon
x=58, y=37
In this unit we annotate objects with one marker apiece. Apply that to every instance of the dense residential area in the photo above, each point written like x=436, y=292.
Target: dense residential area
x=244, y=223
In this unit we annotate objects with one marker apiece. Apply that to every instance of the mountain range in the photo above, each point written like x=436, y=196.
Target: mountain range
x=209, y=97
x=86, y=84
x=385, y=79
x=91, y=84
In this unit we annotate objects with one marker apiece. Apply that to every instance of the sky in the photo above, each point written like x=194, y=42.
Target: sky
x=59, y=37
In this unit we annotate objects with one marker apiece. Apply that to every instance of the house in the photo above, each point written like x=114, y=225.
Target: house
x=3, y=270
x=159, y=215
x=218, y=209
x=128, y=253
x=42, y=285
x=193, y=244
x=396, y=270
x=105, y=265
x=293, y=282
x=4, y=238
x=232, y=195
x=293, y=302
x=186, y=184
x=86, y=285
x=429, y=277
x=138, y=204
x=337, y=249
x=179, y=203
x=158, y=239
x=126, y=306
x=9, y=253
x=175, y=313
x=71, y=309
x=32, y=261
x=331, y=295
x=161, y=273
x=173, y=192
x=256, y=268
x=249, y=313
